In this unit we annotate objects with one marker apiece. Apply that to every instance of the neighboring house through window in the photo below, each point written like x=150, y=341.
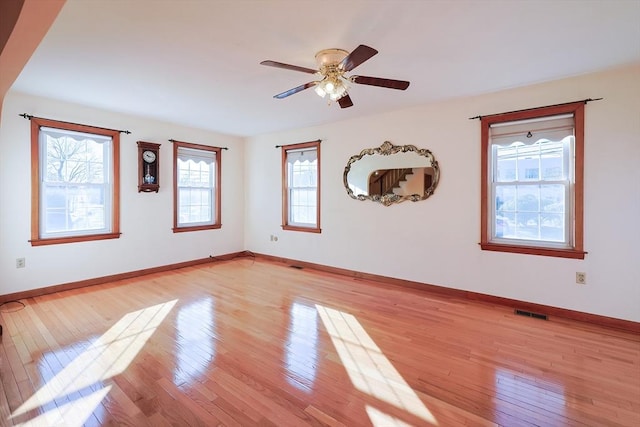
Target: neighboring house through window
x=75, y=182
x=301, y=187
x=196, y=187
x=532, y=181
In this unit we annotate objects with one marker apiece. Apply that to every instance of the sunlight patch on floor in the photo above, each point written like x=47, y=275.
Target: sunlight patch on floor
x=107, y=357
x=369, y=369
x=70, y=414
x=379, y=418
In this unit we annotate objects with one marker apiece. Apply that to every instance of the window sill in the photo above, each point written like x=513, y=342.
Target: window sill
x=534, y=250
x=305, y=229
x=196, y=228
x=73, y=239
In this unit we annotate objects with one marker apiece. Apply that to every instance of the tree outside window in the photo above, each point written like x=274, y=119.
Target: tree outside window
x=75, y=187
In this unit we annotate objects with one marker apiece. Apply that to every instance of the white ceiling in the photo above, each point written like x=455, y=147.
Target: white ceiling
x=196, y=62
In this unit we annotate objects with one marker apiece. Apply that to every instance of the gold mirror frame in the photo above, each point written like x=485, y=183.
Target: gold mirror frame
x=388, y=149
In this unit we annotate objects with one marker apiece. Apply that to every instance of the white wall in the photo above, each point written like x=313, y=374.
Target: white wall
x=436, y=241
x=433, y=241
x=146, y=218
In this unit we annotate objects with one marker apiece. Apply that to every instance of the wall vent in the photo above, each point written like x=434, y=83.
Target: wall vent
x=530, y=314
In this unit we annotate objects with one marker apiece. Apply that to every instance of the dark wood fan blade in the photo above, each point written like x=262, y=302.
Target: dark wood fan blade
x=377, y=81
x=357, y=57
x=295, y=90
x=288, y=67
x=345, y=101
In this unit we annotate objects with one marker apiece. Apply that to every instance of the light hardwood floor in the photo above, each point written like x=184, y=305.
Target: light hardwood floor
x=251, y=342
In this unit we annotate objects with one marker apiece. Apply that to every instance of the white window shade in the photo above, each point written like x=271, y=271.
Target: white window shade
x=527, y=132
x=78, y=136
x=302, y=155
x=186, y=154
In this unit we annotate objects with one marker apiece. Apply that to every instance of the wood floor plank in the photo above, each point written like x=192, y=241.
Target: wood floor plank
x=253, y=342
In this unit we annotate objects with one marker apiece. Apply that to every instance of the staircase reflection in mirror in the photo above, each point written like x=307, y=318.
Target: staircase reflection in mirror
x=392, y=174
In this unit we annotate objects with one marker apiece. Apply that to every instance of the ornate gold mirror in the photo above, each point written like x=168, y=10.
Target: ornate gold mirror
x=391, y=174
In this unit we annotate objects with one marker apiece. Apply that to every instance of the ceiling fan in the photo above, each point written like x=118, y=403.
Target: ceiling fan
x=333, y=64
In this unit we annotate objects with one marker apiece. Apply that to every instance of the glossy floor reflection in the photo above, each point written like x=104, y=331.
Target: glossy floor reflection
x=370, y=370
x=254, y=343
x=195, y=343
x=510, y=383
x=106, y=357
x=302, y=347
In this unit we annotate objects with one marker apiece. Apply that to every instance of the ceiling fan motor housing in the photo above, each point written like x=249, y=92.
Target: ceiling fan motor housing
x=328, y=57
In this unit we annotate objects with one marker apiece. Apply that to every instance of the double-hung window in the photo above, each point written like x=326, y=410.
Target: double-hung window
x=75, y=182
x=532, y=190
x=301, y=187
x=196, y=187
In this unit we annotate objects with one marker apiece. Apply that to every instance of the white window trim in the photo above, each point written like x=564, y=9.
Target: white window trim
x=567, y=183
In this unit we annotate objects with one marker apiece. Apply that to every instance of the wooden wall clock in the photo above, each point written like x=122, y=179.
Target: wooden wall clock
x=148, y=167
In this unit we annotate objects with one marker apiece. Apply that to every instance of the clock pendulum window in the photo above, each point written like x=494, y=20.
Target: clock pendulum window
x=148, y=167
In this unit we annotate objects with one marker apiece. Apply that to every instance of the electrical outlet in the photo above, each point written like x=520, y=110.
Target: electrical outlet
x=581, y=278
x=20, y=262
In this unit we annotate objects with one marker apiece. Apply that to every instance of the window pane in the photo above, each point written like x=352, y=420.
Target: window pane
x=530, y=212
x=71, y=160
x=73, y=209
x=504, y=224
x=529, y=166
x=56, y=214
x=527, y=198
x=553, y=213
x=75, y=190
x=552, y=227
x=552, y=153
x=195, y=205
x=505, y=163
x=195, y=199
x=523, y=161
x=302, y=175
x=303, y=206
x=505, y=200
x=552, y=198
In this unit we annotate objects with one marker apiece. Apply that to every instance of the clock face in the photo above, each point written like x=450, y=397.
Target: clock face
x=149, y=156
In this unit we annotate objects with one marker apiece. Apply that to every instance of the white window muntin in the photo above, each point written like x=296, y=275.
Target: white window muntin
x=302, y=186
x=79, y=214
x=529, y=137
x=200, y=167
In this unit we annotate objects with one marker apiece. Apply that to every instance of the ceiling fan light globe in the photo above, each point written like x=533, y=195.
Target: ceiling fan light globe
x=329, y=87
x=320, y=91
